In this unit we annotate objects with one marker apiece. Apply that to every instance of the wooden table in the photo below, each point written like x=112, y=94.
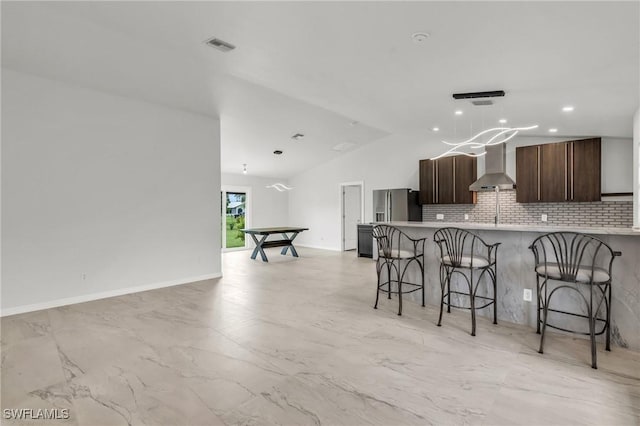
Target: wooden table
x=286, y=242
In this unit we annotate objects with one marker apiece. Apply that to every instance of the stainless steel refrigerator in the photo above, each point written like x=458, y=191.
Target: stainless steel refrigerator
x=396, y=205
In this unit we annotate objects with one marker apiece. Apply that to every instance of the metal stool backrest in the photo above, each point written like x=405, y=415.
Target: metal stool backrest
x=572, y=251
x=457, y=243
x=391, y=240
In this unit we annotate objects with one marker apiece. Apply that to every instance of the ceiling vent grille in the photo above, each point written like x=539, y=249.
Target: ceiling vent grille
x=343, y=146
x=220, y=44
x=482, y=103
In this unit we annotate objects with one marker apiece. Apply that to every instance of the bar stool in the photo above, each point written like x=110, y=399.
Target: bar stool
x=464, y=253
x=577, y=262
x=396, y=252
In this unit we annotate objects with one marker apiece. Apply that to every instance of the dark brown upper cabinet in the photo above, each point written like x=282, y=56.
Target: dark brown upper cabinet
x=446, y=180
x=558, y=172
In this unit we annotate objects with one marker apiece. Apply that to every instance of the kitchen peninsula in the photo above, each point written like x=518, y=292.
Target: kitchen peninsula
x=516, y=272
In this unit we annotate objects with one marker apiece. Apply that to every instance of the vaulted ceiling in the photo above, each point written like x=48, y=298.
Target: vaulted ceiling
x=342, y=73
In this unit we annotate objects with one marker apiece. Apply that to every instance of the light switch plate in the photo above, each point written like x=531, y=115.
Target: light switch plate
x=466, y=217
x=543, y=217
x=527, y=295
x=439, y=216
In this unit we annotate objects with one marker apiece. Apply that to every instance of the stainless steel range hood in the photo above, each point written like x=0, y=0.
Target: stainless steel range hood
x=495, y=174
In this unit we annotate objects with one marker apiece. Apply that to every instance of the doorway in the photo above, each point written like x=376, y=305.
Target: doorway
x=235, y=202
x=352, y=213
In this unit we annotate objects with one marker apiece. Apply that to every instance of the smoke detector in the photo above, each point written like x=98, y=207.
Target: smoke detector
x=420, y=37
x=221, y=45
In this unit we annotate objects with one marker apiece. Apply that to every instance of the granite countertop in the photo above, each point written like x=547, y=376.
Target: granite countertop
x=516, y=228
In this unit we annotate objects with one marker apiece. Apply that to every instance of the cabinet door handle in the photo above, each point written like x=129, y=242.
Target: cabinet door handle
x=438, y=186
x=434, y=183
x=566, y=173
x=454, y=180
x=538, y=170
x=572, y=171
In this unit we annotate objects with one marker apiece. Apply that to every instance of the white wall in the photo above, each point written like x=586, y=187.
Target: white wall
x=636, y=170
x=392, y=162
x=268, y=206
x=102, y=195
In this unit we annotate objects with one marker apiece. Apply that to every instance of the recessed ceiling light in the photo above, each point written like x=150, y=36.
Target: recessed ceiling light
x=277, y=152
x=553, y=130
x=502, y=121
x=458, y=112
x=297, y=136
x=435, y=129
x=420, y=37
x=220, y=44
x=567, y=108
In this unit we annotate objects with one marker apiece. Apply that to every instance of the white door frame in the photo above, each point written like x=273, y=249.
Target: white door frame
x=359, y=183
x=247, y=215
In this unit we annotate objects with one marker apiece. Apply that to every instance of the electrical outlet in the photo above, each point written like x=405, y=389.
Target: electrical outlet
x=466, y=217
x=439, y=216
x=543, y=217
x=526, y=296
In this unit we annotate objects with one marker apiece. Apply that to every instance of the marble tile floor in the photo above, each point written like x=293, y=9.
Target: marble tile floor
x=297, y=342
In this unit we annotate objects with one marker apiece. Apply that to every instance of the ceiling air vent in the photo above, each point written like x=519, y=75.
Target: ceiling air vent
x=485, y=102
x=220, y=44
x=343, y=146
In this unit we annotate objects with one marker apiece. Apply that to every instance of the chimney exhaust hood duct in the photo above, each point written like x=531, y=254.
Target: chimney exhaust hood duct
x=495, y=174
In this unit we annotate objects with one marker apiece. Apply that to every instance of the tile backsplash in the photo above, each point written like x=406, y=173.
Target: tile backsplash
x=608, y=214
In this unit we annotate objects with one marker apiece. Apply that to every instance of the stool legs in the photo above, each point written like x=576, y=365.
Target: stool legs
x=591, y=316
x=539, y=296
x=445, y=281
x=396, y=270
x=400, y=297
x=608, y=306
x=494, y=279
x=378, y=270
x=422, y=276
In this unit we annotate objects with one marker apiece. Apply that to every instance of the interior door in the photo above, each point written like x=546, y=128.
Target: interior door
x=351, y=216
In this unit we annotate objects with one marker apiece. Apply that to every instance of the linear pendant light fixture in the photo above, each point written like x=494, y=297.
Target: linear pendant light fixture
x=508, y=133
x=280, y=187
x=475, y=95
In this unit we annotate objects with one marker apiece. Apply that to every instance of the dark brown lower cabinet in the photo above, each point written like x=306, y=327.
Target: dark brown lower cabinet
x=559, y=172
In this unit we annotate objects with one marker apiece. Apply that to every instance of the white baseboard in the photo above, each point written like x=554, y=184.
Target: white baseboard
x=103, y=295
x=317, y=247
